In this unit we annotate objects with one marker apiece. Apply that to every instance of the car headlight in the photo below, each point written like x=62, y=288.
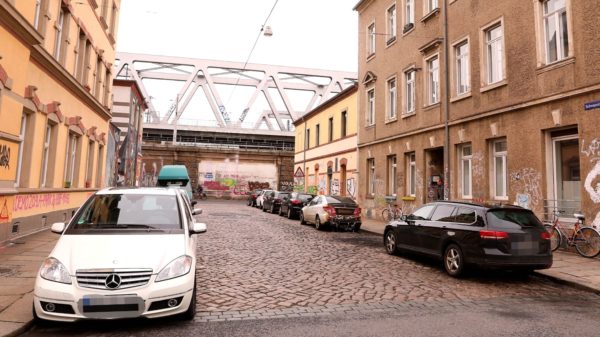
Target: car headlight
x=178, y=267
x=53, y=270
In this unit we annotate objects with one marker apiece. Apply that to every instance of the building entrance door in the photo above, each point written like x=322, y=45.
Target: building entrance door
x=435, y=174
x=566, y=174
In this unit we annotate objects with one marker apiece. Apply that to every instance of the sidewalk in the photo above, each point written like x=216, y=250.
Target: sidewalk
x=20, y=261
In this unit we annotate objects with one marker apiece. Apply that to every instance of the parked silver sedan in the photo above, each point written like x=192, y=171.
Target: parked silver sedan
x=336, y=211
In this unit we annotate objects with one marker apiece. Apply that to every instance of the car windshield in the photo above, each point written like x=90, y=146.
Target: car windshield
x=512, y=218
x=128, y=211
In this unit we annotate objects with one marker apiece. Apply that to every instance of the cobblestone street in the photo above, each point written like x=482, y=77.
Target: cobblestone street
x=255, y=265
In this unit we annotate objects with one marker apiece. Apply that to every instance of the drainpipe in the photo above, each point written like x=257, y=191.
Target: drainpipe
x=446, y=104
x=304, y=155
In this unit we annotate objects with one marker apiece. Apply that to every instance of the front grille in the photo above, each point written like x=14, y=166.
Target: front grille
x=97, y=279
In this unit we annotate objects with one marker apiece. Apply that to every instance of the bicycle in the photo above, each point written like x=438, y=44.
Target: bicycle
x=586, y=239
x=391, y=212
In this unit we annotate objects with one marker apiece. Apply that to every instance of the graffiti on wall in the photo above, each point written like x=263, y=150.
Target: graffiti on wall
x=322, y=185
x=5, y=210
x=286, y=186
x=312, y=189
x=25, y=202
x=477, y=161
x=592, y=180
x=335, y=187
x=256, y=185
x=527, y=182
x=4, y=156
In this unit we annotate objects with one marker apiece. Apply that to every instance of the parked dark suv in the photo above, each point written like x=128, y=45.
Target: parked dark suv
x=272, y=201
x=292, y=205
x=463, y=234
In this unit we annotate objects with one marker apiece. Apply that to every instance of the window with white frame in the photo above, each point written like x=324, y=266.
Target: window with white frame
x=409, y=91
x=60, y=22
x=411, y=178
x=494, y=54
x=90, y=164
x=556, y=30
x=500, y=172
x=462, y=64
x=24, y=139
x=37, y=17
x=344, y=125
x=392, y=98
x=391, y=24
x=391, y=179
x=371, y=39
x=371, y=176
x=307, y=139
x=431, y=5
x=465, y=171
x=46, y=155
x=409, y=12
x=433, y=80
x=99, y=166
x=71, y=160
x=371, y=107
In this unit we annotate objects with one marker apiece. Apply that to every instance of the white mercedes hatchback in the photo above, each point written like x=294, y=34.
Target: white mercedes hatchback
x=126, y=253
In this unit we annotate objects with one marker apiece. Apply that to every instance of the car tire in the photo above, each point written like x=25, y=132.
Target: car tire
x=390, y=242
x=289, y=213
x=190, y=313
x=318, y=224
x=302, y=221
x=454, y=261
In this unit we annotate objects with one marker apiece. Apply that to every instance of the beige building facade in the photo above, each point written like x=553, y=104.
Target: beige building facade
x=56, y=59
x=325, y=149
x=503, y=107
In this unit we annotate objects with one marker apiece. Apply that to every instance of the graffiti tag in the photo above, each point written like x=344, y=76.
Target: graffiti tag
x=351, y=187
x=255, y=185
x=31, y=201
x=529, y=181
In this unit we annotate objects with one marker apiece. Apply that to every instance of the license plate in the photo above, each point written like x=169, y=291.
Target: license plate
x=98, y=306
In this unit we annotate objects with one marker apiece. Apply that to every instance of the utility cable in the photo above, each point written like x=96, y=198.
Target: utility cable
x=262, y=28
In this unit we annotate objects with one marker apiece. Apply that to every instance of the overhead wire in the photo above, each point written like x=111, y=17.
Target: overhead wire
x=252, y=50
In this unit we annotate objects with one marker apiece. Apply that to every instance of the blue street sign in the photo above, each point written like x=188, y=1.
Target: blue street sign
x=592, y=105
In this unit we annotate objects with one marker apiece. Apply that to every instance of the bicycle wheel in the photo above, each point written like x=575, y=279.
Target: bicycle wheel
x=587, y=242
x=386, y=215
x=555, y=237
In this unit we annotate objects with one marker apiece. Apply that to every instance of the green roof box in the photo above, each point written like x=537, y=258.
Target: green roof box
x=175, y=175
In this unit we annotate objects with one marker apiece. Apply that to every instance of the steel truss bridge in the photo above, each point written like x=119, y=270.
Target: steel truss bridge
x=267, y=98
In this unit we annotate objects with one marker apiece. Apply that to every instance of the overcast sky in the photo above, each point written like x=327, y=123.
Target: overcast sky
x=318, y=34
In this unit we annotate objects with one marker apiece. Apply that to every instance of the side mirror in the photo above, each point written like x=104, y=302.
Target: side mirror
x=197, y=211
x=194, y=202
x=404, y=217
x=197, y=228
x=58, y=227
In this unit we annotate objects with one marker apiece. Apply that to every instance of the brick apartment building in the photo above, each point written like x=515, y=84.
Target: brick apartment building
x=501, y=106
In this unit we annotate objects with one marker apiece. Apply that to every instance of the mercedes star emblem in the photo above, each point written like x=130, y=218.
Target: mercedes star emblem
x=112, y=281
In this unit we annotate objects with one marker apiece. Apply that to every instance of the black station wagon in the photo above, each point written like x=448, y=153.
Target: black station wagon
x=463, y=234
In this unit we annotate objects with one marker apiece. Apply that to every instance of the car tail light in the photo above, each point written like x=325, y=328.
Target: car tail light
x=545, y=235
x=254, y=196
x=296, y=202
x=330, y=210
x=493, y=235
x=357, y=211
